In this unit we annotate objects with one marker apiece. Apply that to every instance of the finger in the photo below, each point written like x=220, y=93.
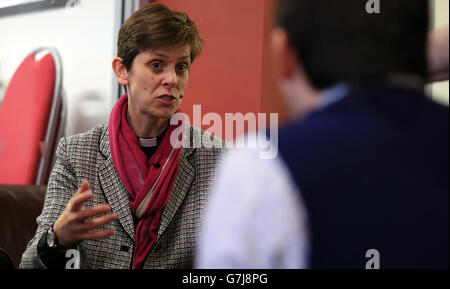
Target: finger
x=95, y=235
x=84, y=186
x=79, y=199
x=98, y=222
x=94, y=211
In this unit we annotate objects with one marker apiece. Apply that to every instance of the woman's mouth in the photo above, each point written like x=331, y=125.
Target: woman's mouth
x=167, y=99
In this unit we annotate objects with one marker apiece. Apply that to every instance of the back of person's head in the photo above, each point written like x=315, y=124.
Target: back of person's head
x=340, y=41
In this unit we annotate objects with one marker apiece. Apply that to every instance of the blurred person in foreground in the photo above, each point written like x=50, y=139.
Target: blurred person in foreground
x=362, y=170
x=128, y=194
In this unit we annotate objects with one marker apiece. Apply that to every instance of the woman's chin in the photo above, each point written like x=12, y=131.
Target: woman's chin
x=163, y=113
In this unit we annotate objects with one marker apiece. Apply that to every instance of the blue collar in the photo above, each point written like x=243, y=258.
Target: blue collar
x=334, y=94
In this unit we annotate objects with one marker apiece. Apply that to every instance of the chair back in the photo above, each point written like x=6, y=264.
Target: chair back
x=31, y=119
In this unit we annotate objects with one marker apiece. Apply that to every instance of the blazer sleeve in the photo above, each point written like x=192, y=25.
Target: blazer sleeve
x=61, y=187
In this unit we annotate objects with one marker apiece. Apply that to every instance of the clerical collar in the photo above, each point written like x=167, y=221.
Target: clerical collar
x=151, y=142
x=148, y=142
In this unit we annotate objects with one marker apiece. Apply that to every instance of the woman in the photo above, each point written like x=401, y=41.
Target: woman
x=123, y=195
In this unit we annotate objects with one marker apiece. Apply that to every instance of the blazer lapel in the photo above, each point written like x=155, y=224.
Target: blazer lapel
x=113, y=188
x=117, y=195
x=186, y=173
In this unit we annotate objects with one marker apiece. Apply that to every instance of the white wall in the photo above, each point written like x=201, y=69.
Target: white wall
x=85, y=37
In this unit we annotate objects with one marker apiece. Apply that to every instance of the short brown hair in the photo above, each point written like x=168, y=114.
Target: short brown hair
x=156, y=26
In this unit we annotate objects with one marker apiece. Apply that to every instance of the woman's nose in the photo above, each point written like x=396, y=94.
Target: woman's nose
x=170, y=79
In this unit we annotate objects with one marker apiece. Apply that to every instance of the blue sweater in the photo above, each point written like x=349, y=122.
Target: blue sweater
x=373, y=171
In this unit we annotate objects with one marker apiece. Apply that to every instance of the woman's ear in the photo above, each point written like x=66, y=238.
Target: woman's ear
x=120, y=71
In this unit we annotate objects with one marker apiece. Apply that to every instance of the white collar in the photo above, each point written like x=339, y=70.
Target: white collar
x=148, y=142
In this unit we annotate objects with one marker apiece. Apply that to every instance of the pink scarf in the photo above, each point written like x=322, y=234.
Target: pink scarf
x=149, y=185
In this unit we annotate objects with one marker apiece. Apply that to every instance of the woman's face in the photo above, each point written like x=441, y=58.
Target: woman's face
x=157, y=80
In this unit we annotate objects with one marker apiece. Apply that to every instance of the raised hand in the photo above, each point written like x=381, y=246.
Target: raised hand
x=74, y=224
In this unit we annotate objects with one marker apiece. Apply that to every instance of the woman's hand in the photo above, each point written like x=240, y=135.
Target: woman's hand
x=73, y=225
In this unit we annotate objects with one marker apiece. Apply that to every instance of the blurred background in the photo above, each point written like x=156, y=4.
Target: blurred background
x=233, y=73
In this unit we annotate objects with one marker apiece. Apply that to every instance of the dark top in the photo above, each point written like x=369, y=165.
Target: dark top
x=373, y=173
x=149, y=145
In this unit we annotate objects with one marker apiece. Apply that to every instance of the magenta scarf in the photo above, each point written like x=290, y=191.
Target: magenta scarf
x=149, y=185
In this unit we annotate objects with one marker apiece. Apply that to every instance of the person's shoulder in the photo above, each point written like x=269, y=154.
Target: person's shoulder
x=89, y=138
x=202, y=148
x=253, y=164
x=245, y=159
x=248, y=176
x=204, y=139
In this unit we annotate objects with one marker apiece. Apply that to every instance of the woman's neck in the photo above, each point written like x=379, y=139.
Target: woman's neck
x=145, y=126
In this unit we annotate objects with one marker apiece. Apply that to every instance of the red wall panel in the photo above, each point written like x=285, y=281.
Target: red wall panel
x=233, y=69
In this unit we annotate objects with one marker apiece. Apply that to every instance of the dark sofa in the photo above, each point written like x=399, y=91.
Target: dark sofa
x=19, y=208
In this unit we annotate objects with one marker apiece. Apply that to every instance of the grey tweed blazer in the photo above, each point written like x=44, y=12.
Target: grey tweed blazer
x=88, y=156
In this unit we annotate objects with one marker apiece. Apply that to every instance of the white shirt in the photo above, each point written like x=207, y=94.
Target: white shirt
x=255, y=218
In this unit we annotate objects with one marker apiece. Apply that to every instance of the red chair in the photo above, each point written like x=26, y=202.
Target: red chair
x=32, y=117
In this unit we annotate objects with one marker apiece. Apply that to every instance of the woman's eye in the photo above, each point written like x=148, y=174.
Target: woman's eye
x=183, y=67
x=156, y=65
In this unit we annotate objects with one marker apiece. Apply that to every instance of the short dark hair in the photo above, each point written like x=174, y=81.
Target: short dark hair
x=339, y=41
x=155, y=26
